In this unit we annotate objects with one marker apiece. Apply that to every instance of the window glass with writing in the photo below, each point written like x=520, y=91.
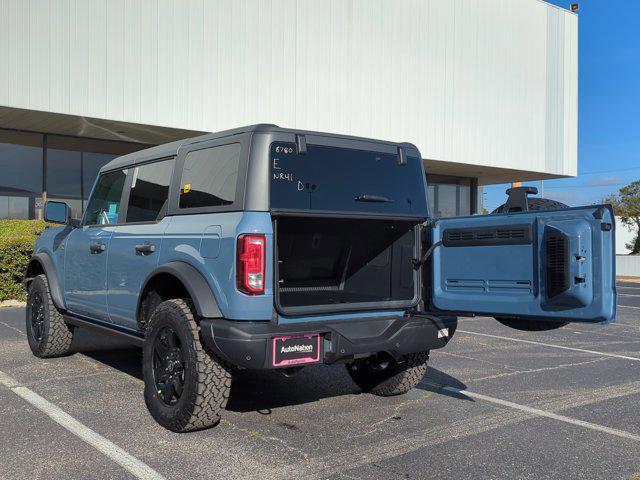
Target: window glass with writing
x=336, y=179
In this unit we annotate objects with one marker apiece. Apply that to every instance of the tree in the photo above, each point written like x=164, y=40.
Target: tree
x=626, y=205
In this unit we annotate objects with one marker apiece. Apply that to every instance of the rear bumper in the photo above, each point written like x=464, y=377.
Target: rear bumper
x=247, y=344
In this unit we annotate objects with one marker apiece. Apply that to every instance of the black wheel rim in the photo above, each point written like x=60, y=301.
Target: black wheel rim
x=168, y=366
x=37, y=317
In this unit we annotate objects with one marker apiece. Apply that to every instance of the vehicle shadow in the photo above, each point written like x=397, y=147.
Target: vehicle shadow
x=110, y=350
x=264, y=390
x=252, y=391
x=439, y=382
x=256, y=391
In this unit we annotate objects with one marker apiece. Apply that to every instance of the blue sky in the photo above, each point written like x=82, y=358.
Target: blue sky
x=608, y=105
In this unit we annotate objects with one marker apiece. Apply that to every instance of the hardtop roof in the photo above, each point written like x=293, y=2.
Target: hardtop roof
x=171, y=149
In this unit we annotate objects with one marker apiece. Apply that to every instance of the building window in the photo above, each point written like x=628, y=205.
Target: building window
x=92, y=162
x=450, y=196
x=73, y=165
x=68, y=166
x=20, y=162
x=20, y=173
x=64, y=171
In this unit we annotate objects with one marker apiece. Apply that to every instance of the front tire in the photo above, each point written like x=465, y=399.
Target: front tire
x=186, y=387
x=386, y=377
x=47, y=333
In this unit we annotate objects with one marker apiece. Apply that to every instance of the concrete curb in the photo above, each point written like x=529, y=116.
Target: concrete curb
x=12, y=303
x=628, y=279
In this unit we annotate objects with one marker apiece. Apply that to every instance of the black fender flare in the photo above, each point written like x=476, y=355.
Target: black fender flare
x=45, y=260
x=199, y=290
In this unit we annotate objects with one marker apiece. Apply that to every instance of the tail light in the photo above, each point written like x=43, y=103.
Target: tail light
x=250, y=271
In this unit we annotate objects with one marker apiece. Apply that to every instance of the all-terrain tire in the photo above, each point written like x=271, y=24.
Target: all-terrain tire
x=47, y=333
x=206, y=379
x=396, y=378
x=534, y=204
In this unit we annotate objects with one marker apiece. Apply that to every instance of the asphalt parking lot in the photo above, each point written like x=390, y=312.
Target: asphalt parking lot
x=496, y=403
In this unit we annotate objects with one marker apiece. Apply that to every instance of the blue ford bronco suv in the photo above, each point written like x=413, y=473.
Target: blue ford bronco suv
x=268, y=248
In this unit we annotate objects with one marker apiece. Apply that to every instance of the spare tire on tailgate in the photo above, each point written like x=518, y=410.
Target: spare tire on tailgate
x=536, y=204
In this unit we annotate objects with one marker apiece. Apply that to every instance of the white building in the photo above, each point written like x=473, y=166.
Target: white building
x=486, y=89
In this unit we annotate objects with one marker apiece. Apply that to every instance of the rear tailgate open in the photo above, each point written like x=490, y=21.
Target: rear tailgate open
x=334, y=264
x=347, y=216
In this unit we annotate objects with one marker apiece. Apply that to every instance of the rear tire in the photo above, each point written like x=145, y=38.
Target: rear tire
x=47, y=333
x=385, y=377
x=186, y=387
x=534, y=204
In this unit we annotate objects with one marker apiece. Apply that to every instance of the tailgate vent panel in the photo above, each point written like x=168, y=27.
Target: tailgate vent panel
x=557, y=262
x=487, y=236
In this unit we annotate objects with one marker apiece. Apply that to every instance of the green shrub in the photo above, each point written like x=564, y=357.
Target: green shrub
x=17, y=238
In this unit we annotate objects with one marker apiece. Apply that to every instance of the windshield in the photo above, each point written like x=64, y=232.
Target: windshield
x=336, y=179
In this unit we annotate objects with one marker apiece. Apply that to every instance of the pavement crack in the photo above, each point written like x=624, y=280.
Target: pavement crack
x=375, y=427
x=266, y=438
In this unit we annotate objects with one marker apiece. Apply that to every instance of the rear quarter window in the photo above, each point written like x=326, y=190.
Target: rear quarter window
x=209, y=177
x=336, y=179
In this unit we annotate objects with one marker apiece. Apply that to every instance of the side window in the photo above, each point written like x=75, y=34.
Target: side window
x=104, y=204
x=210, y=176
x=149, y=191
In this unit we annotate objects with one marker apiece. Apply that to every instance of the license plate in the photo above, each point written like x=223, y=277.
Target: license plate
x=296, y=350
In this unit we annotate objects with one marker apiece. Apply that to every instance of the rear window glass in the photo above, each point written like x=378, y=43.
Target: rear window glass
x=345, y=180
x=210, y=176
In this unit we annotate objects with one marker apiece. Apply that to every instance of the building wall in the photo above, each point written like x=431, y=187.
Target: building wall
x=624, y=236
x=478, y=82
x=628, y=265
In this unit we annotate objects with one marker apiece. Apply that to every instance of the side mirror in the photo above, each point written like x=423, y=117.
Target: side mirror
x=57, y=212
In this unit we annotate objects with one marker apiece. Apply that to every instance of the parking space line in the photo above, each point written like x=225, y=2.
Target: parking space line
x=129, y=462
x=531, y=342
x=540, y=413
x=628, y=306
x=628, y=295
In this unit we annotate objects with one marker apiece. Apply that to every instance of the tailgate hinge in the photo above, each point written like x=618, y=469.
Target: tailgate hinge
x=418, y=263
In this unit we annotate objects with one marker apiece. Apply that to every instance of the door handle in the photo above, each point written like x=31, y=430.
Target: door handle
x=145, y=248
x=97, y=247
